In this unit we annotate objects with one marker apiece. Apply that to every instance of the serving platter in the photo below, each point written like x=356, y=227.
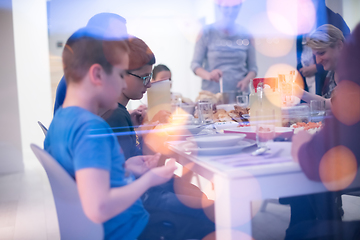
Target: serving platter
x=195, y=149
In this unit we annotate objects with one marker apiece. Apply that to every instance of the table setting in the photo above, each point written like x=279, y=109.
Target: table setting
x=249, y=129
x=247, y=142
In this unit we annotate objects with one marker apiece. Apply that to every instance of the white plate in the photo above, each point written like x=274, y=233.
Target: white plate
x=225, y=125
x=193, y=148
x=183, y=137
x=217, y=140
x=184, y=129
x=251, y=131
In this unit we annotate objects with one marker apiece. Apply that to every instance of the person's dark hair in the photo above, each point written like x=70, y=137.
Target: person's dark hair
x=159, y=68
x=85, y=48
x=139, y=54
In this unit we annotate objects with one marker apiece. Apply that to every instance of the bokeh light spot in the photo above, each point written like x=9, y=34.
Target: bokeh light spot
x=228, y=234
x=338, y=168
x=155, y=139
x=346, y=102
x=268, y=40
x=274, y=47
x=191, y=195
x=292, y=86
x=292, y=17
x=228, y=3
x=281, y=23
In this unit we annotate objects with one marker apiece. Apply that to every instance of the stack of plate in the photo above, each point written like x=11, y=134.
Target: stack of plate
x=216, y=144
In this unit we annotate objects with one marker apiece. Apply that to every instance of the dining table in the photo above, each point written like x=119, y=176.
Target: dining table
x=242, y=181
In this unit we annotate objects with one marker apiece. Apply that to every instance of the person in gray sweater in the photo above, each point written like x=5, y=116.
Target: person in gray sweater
x=225, y=50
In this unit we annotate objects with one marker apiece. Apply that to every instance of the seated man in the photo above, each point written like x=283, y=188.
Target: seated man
x=333, y=155
x=162, y=199
x=84, y=144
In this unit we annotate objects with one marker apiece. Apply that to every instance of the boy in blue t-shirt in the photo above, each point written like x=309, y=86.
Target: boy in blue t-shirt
x=85, y=146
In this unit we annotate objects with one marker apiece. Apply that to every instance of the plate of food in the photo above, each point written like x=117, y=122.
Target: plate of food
x=192, y=147
x=310, y=127
x=236, y=114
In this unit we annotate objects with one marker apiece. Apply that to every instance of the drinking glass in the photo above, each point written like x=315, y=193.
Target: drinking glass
x=205, y=112
x=317, y=110
x=265, y=127
x=286, y=88
x=242, y=100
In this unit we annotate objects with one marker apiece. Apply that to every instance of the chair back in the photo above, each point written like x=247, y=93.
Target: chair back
x=73, y=223
x=43, y=128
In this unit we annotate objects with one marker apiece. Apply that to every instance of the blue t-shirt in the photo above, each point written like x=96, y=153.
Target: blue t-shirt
x=78, y=139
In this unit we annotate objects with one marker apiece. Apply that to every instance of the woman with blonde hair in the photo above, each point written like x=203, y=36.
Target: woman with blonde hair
x=326, y=43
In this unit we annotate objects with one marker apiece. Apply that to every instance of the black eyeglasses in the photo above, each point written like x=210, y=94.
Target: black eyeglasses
x=145, y=79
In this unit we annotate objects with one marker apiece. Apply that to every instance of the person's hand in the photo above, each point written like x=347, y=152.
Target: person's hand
x=162, y=117
x=298, y=140
x=308, y=71
x=215, y=75
x=138, y=116
x=139, y=165
x=160, y=175
x=243, y=84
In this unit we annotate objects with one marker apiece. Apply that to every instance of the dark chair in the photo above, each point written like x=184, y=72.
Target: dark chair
x=43, y=128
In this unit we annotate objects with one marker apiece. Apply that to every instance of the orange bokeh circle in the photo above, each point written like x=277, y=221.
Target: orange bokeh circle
x=345, y=102
x=338, y=168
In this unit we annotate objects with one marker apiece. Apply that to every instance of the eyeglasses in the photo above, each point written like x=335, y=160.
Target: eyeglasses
x=145, y=79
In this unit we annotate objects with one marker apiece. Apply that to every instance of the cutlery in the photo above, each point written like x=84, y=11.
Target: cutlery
x=259, y=151
x=274, y=154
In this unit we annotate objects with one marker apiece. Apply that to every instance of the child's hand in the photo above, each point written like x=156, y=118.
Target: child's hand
x=160, y=175
x=139, y=165
x=138, y=116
